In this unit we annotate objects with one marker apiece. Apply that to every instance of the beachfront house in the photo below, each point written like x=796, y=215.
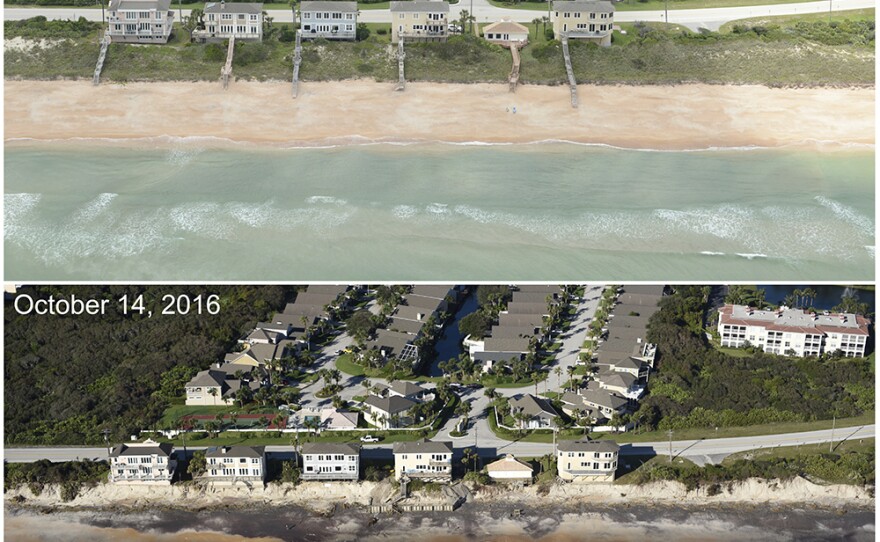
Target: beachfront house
x=228, y=465
x=224, y=20
x=583, y=19
x=332, y=20
x=419, y=20
x=330, y=461
x=506, y=33
x=140, y=21
x=145, y=462
x=587, y=461
x=510, y=469
x=423, y=459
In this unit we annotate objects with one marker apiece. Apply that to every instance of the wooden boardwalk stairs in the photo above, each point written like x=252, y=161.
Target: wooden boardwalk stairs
x=401, y=79
x=105, y=44
x=571, y=82
x=297, y=60
x=226, y=71
x=514, y=72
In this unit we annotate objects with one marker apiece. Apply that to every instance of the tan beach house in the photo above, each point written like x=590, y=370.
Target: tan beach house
x=586, y=20
x=147, y=462
x=587, y=461
x=423, y=459
x=140, y=21
x=506, y=33
x=223, y=20
x=419, y=20
x=331, y=20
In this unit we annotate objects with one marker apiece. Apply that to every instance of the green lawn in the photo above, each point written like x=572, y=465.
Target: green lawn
x=735, y=352
x=863, y=445
x=345, y=364
x=627, y=466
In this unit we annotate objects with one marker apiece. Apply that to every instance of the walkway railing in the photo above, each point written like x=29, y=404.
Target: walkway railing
x=571, y=82
x=297, y=60
x=226, y=72
x=105, y=43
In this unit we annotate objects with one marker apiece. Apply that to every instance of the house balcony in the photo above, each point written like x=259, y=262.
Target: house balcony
x=354, y=475
x=429, y=475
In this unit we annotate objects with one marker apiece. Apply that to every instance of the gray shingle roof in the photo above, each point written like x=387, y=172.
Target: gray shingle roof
x=206, y=378
x=391, y=405
x=234, y=7
x=406, y=388
x=533, y=406
x=134, y=5
x=236, y=451
x=581, y=5
x=146, y=448
x=589, y=446
x=604, y=399
x=330, y=448
x=421, y=6
x=493, y=344
x=422, y=446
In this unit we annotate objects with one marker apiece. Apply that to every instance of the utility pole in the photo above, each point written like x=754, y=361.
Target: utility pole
x=670, y=445
x=666, y=11
x=106, y=433
x=831, y=444
x=103, y=22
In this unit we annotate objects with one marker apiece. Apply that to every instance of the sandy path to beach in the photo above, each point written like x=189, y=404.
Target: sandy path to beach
x=660, y=117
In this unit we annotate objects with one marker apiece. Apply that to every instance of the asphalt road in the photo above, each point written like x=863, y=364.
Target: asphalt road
x=699, y=451
x=711, y=18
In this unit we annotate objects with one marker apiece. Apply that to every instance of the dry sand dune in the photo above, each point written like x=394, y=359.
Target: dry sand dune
x=657, y=117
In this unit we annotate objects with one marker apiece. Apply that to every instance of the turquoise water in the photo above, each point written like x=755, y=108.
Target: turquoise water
x=186, y=211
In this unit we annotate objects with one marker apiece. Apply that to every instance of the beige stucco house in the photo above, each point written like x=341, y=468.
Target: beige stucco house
x=140, y=21
x=506, y=33
x=423, y=459
x=147, y=462
x=419, y=20
x=581, y=19
x=587, y=461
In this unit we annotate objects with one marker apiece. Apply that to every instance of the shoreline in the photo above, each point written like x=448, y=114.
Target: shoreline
x=323, y=498
x=692, y=117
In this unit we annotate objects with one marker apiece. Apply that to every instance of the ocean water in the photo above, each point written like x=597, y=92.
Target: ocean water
x=193, y=210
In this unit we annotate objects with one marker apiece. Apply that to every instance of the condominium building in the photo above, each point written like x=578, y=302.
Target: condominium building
x=330, y=461
x=423, y=459
x=587, y=20
x=793, y=332
x=147, y=462
x=231, y=464
x=140, y=21
x=223, y=20
x=419, y=20
x=587, y=461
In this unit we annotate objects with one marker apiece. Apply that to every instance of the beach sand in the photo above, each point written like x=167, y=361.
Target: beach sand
x=643, y=117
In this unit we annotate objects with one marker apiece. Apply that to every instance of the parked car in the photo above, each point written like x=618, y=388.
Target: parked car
x=369, y=438
x=338, y=352
x=455, y=29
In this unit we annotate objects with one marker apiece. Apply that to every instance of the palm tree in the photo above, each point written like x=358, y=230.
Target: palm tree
x=545, y=19
x=558, y=371
x=233, y=419
x=280, y=421
x=536, y=21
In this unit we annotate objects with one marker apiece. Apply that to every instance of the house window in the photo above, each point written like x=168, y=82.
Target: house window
x=226, y=16
x=253, y=17
x=349, y=16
